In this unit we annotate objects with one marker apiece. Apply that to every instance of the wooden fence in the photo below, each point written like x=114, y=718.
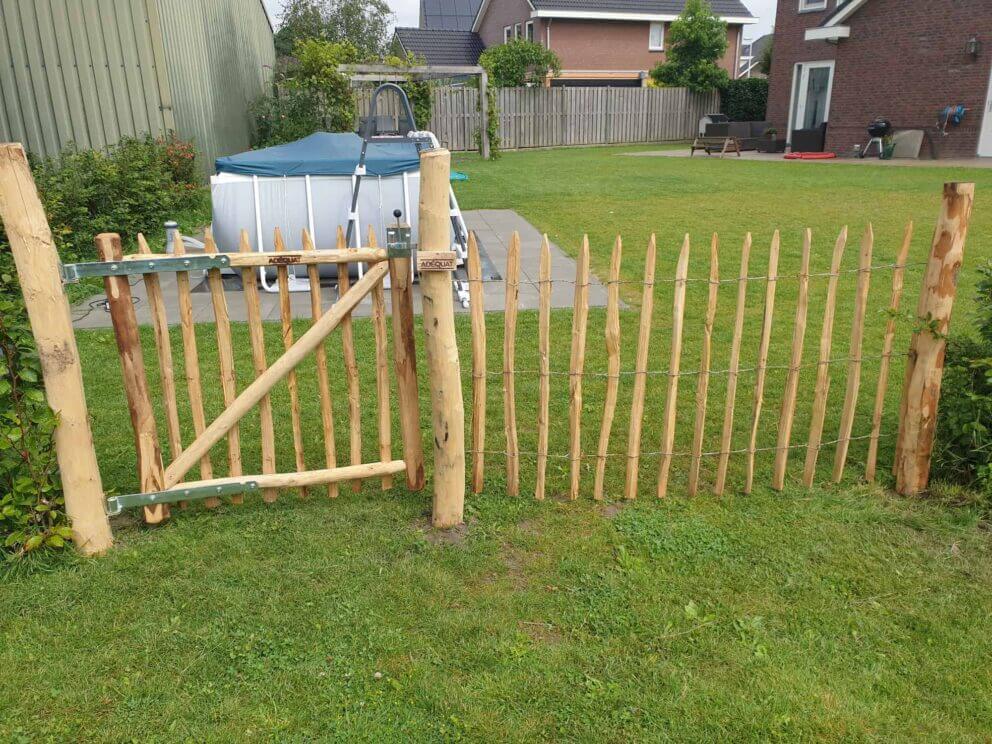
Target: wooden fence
x=555, y=117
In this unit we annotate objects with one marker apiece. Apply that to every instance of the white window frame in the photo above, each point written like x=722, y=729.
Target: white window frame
x=811, y=6
x=651, y=26
x=516, y=30
x=529, y=31
x=507, y=34
x=800, y=85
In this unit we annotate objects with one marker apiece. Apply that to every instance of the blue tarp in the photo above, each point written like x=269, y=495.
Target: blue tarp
x=323, y=154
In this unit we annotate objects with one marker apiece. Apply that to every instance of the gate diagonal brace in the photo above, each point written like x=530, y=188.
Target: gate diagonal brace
x=117, y=504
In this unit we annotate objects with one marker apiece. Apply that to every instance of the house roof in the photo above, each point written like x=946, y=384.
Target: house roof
x=842, y=12
x=751, y=53
x=439, y=47
x=833, y=28
x=449, y=15
x=722, y=8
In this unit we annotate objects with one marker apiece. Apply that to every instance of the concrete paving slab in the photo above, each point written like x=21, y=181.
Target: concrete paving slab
x=493, y=228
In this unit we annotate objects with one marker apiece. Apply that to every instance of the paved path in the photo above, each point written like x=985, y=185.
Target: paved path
x=767, y=157
x=493, y=228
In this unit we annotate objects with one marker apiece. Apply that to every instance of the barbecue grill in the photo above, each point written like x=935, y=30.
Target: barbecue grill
x=877, y=131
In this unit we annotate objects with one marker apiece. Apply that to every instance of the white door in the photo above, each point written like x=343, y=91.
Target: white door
x=985, y=138
x=810, y=105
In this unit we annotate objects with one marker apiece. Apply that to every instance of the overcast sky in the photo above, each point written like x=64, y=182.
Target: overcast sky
x=407, y=13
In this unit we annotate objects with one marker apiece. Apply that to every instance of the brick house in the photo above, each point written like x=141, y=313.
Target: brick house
x=599, y=42
x=840, y=64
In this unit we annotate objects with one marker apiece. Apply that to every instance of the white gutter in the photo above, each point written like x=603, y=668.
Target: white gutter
x=828, y=33
x=597, y=15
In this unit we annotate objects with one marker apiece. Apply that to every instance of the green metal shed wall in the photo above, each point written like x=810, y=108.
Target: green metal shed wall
x=92, y=71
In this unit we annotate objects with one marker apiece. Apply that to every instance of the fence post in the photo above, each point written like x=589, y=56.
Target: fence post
x=139, y=402
x=435, y=262
x=484, y=114
x=925, y=366
x=48, y=311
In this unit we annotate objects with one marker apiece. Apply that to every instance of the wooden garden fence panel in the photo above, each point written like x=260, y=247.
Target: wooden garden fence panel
x=556, y=117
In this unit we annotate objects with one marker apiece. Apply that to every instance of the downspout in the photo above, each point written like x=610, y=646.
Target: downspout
x=547, y=31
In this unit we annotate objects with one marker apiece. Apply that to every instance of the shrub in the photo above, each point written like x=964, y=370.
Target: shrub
x=132, y=187
x=519, y=62
x=745, y=99
x=963, y=447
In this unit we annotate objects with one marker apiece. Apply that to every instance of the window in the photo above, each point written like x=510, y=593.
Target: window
x=507, y=33
x=808, y=5
x=656, y=37
x=529, y=30
x=809, y=107
x=516, y=30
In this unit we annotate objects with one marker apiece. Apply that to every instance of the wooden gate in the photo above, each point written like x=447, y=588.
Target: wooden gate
x=41, y=279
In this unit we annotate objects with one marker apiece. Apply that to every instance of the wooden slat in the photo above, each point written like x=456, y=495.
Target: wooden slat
x=478, y=311
x=350, y=368
x=766, y=337
x=323, y=382
x=580, y=315
x=405, y=361
x=139, y=403
x=640, y=374
x=225, y=357
x=703, y=382
x=727, y=436
x=382, y=373
x=256, y=333
x=898, y=274
x=286, y=317
x=272, y=481
x=163, y=346
x=612, y=366
x=854, y=356
x=823, y=366
x=512, y=284
x=544, y=367
x=674, y=367
x=192, y=362
x=795, y=362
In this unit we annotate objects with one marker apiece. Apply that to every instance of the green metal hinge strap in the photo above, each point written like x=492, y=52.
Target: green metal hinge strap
x=76, y=271
x=117, y=504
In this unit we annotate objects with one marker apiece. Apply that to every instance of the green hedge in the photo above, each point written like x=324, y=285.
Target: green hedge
x=745, y=99
x=130, y=188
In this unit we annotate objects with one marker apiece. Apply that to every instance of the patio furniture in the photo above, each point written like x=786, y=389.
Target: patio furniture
x=749, y=134
x=723, y=145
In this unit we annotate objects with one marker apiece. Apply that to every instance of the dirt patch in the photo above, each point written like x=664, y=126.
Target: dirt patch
x=541, y=632
x=450, y=536
x=529, y=527
x=611, y=510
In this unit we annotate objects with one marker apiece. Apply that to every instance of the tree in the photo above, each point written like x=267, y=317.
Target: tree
x=765, y=63
x=363, y=23
x=696, y=40
x=519, y=62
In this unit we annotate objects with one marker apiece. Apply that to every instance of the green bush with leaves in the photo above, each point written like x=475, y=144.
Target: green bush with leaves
x=745, y=99
x=963, y=448
x=311, y=95
x=695, y=42
x=518, y=63
x=132, y=187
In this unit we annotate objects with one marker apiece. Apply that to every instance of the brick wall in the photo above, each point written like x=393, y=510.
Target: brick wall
x=502, y=13
x=905, y=60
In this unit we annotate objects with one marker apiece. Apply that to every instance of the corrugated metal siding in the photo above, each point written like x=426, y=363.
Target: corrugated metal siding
x=219, y=57
x=76, y=71
x=92, y=71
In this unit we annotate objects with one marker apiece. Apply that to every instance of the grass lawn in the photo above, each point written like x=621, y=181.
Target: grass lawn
x=837, y=613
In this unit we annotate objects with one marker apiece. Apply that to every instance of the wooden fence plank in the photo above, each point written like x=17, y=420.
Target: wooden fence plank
x=674, y=368
x=478, y=312
x=544, y=362
x=766, y=337
x=727, y=436
x=323, y=381
x=823, y=366
x=640, y=373
x=703, y=382
x=256, y=332
x=854, y=356
x=192, y=362
x=613, y=366
x=580, y=315
x=382, y=373
x=225, y=358
x=512, y=284
x=898, y=273
x=350, y=368
x=795, y=362
x=286, y=316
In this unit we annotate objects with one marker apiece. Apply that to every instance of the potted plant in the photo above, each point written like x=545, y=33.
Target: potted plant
x=770, y=144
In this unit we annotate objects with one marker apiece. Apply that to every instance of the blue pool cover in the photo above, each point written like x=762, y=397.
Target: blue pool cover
x=323, y=154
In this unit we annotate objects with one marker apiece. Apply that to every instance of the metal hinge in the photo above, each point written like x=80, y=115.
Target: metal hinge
x=117, y=504
x=76, y=271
